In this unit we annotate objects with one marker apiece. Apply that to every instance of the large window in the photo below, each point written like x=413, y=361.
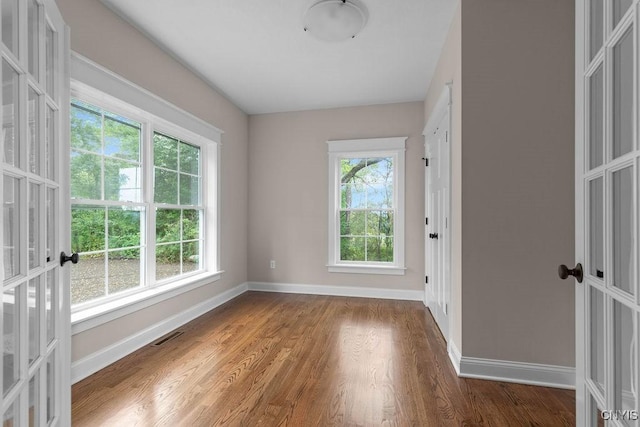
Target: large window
x=140, y=210
x=366, y=202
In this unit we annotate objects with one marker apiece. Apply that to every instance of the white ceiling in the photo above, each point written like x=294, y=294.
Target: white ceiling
x=257, y=54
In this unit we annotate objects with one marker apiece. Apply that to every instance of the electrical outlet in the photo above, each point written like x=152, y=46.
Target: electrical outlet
x=272, y=264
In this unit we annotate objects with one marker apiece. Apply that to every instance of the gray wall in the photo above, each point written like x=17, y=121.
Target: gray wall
x=288, y=192
x=101, y=36
x=517, y=179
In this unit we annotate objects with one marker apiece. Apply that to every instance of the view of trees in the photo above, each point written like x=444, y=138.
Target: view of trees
x=106, y=166
x=366, y=214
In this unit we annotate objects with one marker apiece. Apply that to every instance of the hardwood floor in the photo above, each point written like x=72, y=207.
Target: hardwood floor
x=299, y=360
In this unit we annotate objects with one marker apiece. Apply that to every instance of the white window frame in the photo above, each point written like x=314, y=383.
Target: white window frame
x=95, y=85
x=362, y=148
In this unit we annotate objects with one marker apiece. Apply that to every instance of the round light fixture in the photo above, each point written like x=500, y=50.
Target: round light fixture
x=335, y=20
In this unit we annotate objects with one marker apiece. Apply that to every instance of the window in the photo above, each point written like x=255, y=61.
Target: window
x=143, y=200
x=366, y=206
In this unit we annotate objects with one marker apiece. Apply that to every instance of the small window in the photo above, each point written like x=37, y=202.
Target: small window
x=366, y=206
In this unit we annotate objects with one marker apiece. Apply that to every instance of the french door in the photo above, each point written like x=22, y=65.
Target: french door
x=35, y=303
x=607, y=220
x=437, y=255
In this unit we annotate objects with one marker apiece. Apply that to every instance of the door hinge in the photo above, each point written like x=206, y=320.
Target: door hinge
x=426, y=161
x=446, y=309
x=426, y=221
x=426, y=279
x=446, y=136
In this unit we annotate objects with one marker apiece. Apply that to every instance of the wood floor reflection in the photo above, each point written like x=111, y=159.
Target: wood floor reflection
x=268, y=359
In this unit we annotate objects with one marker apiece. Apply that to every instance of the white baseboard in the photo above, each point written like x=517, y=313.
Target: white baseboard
x=517, y=372
x=454, y=355
x=92, y=363
x=341, y=291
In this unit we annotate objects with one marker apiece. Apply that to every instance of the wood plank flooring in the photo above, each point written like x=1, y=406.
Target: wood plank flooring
x=299, y=360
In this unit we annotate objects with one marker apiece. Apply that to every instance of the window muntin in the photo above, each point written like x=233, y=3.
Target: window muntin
x=135, y=222
x=366, y=206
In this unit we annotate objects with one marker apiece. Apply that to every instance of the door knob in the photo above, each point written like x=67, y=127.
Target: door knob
x=74, y=257
x=433, y=235
x=564, y=272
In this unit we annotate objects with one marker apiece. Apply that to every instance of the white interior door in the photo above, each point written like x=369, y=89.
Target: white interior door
x=607, y=162
x=35, y=306
x=437, y=258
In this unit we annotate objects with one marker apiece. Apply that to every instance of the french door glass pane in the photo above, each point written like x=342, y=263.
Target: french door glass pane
x=11, y=227
x=34, y=225
x=50, y=304
x=49, y=143
x=622, y=236
x=34, y=38
x=596, y=332
x=595, y=414
x=10, y=417
x=622, y=96
x=124, y=270
x=51, y=387
x=51, y=231
x=33, y=318
x=10, y=25
x=620, y=7
x=10, y=114
x=34, y=132
x=50, y=48
x=11, y=337
x=596, y=12
x=624, y=357
x=34, y=404
x=596, y=221
x=596, y=95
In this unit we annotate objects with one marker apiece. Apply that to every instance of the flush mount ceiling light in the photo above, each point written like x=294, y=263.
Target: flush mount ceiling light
x=335, y=20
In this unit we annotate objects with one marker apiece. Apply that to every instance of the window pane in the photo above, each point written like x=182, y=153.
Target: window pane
x=50, y=304
x=11, y=224
x=189, y=190
x=34, y=226
x=596, y=221
x=10, y=25
x=596, y=12
x=88, y=279
x=352, y=249
x=380, y=249
x=353, y=196
x=34, y=38
x=380, y=223
x=87, y=229
x=623, y=95
x=624, y=357
x=596, y=96
x=165, y=151
x=167, y=261
x=10, y=114
x=86, y=129
x=190, y=256
x=124, y=228
x=34, y=401
x=50, y=143
x=50, y=46
x=622, y=239
x=190, y=224
x=51, y=224
x=166, y=186
x=167, y=225
x=11, y=334
x=34, y=132
x=51, y=387
x=620, y=7
x=596, y=334
x=352, y=223
x=122, y=181
x=34, y=291
x=86, y=176
x=10, y=417
x=189, y=159
x=124, y=270
x=121, y=138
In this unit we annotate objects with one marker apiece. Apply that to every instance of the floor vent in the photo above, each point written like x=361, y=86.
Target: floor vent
x=166, y=338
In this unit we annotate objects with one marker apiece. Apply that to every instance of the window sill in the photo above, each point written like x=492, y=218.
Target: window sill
x=91, y=317
x=366, y=269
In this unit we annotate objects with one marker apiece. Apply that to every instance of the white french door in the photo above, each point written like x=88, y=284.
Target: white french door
x=437, y=259
x=34, y=169
x=607, y=182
